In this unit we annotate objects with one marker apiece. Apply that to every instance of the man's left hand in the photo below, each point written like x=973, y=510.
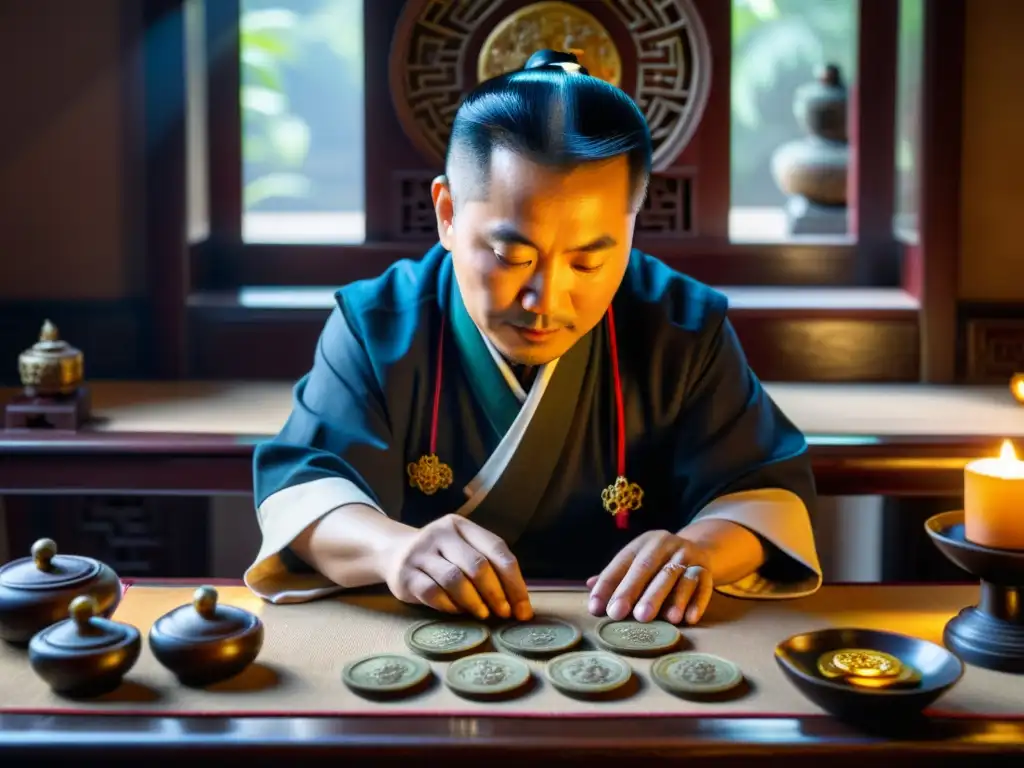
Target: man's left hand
x=657, y=572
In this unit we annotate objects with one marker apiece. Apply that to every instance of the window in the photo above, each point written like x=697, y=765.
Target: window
x=778, y=49
x=302, y=102
x=908, y=116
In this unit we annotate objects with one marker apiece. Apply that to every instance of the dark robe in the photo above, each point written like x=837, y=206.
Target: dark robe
x=703, y=438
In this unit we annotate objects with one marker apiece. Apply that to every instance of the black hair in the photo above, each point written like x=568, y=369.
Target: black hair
x=558, y=116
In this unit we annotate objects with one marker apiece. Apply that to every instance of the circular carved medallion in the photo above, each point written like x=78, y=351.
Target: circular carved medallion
x=438, y=42
x=555, y=25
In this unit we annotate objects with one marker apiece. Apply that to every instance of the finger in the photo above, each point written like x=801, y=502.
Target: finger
x=660, y=587
x=609, y=579
x=429, y=592
x=504, y=563
x=699, y=603
x=591, y=582
x=643, y=568
x=682, y=594
x=456, y=550
x=455, y=583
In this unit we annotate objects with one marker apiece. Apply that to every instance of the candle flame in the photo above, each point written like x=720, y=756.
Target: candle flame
x=1007, y=453
x=1018, y=388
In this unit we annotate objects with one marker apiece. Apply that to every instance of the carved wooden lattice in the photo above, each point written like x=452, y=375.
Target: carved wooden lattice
x=414, y=206
x=668, y=208
x=429, y=76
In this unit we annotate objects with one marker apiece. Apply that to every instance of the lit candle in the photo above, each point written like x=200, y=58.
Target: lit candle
x=994, y=501
x=1017, y=387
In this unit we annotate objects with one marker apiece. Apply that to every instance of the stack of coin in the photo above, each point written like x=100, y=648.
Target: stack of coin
x=867, y=669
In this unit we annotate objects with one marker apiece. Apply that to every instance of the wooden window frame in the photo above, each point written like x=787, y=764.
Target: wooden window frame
x=195, y=290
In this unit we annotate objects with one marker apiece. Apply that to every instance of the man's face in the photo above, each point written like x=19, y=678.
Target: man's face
x=539, y=261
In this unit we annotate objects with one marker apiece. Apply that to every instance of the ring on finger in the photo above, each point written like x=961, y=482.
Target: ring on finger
x=693, y=572
x=673, y=568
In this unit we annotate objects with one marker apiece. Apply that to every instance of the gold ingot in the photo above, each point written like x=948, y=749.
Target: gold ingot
x=907, y=678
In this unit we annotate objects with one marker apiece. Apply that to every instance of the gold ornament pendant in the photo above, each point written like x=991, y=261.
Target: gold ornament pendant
x=429, y=474
x=622, y=496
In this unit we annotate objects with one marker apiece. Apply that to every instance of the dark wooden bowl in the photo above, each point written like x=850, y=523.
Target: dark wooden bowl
x=204, y=643
x=940, y=670
x=85, y=655
x=35, y=591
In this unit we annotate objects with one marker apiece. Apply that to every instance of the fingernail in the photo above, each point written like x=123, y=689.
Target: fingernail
x=523, y=611
x=483, y=613
x=643, y=612
x=618, y=609
x=692, y=616
x=504, y=610
x=674, y=615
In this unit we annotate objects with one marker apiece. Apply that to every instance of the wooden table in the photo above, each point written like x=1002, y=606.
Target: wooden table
x=190, y=438
x=78, y=736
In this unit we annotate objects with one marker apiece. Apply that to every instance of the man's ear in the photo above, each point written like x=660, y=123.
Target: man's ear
x=444, y=209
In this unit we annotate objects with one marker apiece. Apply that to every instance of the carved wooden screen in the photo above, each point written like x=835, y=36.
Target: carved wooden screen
x=658, y=51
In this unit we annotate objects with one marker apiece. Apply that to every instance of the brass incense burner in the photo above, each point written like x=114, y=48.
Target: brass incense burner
x=51, y=367
x=35, y=591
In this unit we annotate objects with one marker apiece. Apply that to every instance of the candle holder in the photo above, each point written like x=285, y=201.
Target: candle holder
x=990, y=634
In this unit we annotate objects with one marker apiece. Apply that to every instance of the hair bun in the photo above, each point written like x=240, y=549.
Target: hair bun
x=559, y=60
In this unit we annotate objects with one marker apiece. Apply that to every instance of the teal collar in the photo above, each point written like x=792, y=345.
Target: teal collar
x=489, y=386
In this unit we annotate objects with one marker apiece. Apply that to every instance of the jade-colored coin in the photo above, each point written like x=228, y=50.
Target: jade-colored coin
x=541, y=635
x=445, y=637
x=692, y=673
x=635, y=637
x=487, y=674
x=588, y=672
x=385, y=673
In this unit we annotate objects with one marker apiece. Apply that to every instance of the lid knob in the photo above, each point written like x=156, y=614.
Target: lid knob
x=43, y=552
x=204, y=600
x=49, y=332
x=82, y=610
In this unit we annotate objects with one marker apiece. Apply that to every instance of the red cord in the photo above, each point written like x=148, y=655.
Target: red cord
x=622, y=518
x=437, y=390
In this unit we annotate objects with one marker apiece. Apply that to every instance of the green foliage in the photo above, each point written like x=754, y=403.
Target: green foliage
x=272, y=135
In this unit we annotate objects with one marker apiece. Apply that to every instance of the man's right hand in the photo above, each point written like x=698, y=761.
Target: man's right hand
x=454, y=565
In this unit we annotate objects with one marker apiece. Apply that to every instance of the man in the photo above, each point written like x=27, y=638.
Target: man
x=533, y=399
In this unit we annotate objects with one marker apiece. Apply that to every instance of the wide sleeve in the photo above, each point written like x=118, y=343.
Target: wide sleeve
x=336, y=449
x=739, y=458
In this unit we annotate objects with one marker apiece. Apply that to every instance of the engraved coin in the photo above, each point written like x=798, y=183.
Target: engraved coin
x=487, y=674
x=540, y=635
x=588, y=672
x=641, y=638
x=385, y=673
x=856, y=662
x=445, y=637
x=695, y=673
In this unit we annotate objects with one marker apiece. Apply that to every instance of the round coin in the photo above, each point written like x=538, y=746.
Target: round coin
x=385, y=673
x=588, y=672
x=861, y=663
x=692, y=673
x=540, y=635
x=641, y=638
x=445, y=637
x=487, y=674
x=907, y=678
